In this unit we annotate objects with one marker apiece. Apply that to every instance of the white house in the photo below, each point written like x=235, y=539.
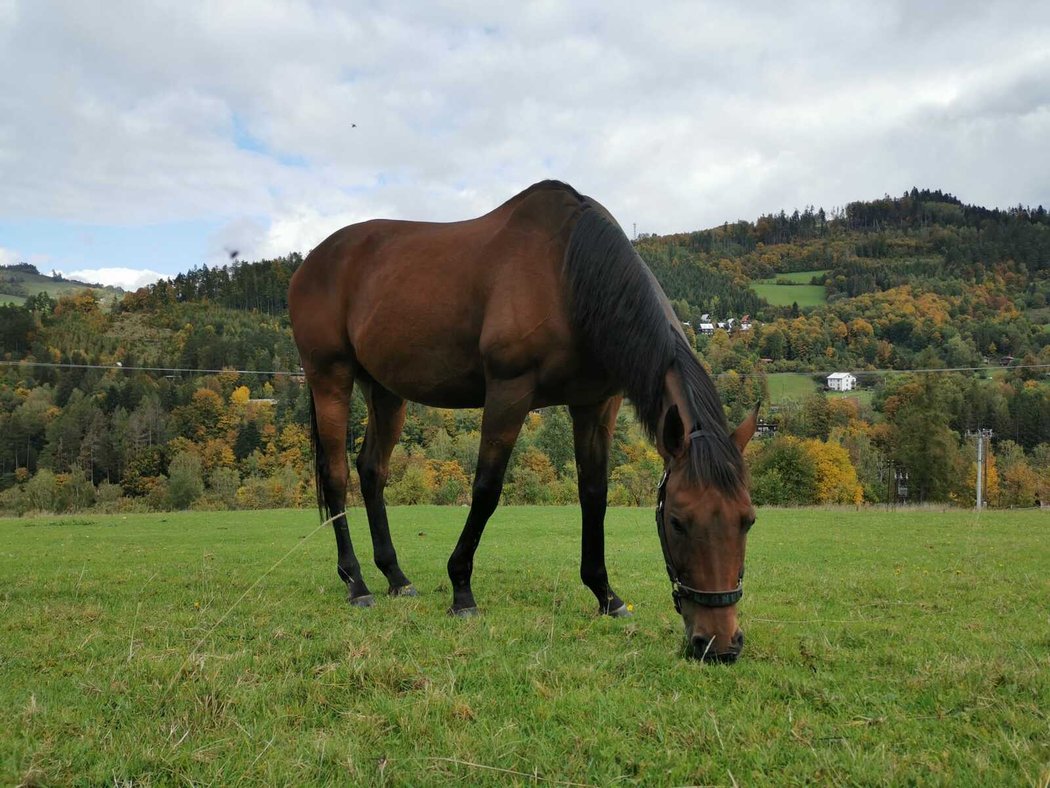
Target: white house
x=841, y=381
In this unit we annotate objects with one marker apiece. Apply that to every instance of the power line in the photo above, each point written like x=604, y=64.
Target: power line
x=120, y=367
x=893, y=371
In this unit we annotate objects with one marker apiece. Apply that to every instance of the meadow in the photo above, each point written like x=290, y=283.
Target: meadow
x=796, y=386
x=801, y=292
x=883, y=647
x=784, y=386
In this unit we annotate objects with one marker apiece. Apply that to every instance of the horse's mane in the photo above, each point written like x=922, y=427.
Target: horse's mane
x=628, y=327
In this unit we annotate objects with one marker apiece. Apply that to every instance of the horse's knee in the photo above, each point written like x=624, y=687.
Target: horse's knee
x=486, y=491
x=594, y=491
x=373, y=477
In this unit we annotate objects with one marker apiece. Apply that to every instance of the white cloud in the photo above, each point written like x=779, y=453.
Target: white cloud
x=678, y=116
x=126, y=278
x=8, y=257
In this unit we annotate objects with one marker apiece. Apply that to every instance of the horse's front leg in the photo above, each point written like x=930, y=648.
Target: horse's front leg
x=592, y=429
x=507, y=404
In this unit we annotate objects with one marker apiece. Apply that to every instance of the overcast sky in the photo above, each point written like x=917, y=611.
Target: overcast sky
x=144, y=138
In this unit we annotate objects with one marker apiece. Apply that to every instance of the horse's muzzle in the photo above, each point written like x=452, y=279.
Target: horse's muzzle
x=706, y=650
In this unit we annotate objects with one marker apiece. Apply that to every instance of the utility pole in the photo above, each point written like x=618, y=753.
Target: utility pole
x=980, y=469
x=982, y=458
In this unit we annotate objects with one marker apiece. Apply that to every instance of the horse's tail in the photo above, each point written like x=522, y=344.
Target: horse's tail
x=320, y=459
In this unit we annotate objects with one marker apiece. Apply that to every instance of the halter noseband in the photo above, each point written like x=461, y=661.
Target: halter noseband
x=679, y=590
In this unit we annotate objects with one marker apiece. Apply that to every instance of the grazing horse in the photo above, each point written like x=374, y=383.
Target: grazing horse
x=541, y=302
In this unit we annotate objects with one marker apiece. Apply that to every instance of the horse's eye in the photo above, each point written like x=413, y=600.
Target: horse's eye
x=678, y=525
x=748, y=523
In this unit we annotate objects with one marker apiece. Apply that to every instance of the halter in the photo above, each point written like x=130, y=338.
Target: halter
x=679, y=590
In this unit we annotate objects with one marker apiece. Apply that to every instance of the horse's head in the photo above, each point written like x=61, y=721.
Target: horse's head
x=703, y=531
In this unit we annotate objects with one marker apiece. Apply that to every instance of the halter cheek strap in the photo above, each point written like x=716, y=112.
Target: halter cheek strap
x=680, y=590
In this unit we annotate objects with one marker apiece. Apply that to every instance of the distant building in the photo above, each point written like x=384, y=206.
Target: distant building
x=841, y=381
x=709, y=326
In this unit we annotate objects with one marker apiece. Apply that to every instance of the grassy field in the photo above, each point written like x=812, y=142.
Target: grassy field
x=802, y=293
x=37, y=283
x=883, y=648
x=785, y=386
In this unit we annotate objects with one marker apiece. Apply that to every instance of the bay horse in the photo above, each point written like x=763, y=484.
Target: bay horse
x=543, y=301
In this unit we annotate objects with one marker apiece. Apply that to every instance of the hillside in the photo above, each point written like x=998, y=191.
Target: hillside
x=22, y=280
x=920, y=280
x=916, y=282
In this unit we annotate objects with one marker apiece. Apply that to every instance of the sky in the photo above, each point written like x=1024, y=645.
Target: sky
x=140, y=139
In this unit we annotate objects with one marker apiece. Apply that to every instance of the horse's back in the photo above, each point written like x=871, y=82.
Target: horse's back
x=429, y=310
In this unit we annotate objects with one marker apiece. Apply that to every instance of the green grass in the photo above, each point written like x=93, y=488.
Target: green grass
x=802, y=293
x=784, y=386
x=883, y=647
x=786, y=295
x=39, y=283
x=7, y=298
x=862, y=395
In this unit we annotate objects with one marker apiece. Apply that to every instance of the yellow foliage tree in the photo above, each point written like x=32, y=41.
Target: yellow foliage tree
x=836, y=477
x=240, y=396
x=216, y=453
x=294, y=447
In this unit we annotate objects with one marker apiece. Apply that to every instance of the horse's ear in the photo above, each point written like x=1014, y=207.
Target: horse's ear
x=672, y=435
x=746, y=430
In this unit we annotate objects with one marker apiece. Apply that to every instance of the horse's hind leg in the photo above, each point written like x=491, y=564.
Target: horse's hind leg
x=386, y=417
x=592, y=430
x=331, y=398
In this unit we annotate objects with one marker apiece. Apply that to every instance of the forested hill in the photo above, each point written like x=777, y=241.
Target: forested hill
x=917, y=280
x=874, y=284
x=914, y=282
x=22, y=281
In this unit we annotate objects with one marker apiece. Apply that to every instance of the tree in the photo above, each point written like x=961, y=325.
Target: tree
x=223, y=483
x=554, y=438
x=783, y=472
x=919, y=411
x=185, y=483
x=835, y=475
x=531, y=479
x=16, y=327
x=640, y=473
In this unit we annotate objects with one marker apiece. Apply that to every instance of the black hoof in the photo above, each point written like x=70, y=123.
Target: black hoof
x=365, y=600
x=409, y=590
x=465, y=612
x=620, y=612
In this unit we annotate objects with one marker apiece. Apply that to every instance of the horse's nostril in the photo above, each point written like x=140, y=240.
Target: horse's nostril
x=705, y=648
x=702, y=647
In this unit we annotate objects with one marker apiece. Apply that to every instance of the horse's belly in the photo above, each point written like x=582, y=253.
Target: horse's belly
x=446, y=394
x=429, y=372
